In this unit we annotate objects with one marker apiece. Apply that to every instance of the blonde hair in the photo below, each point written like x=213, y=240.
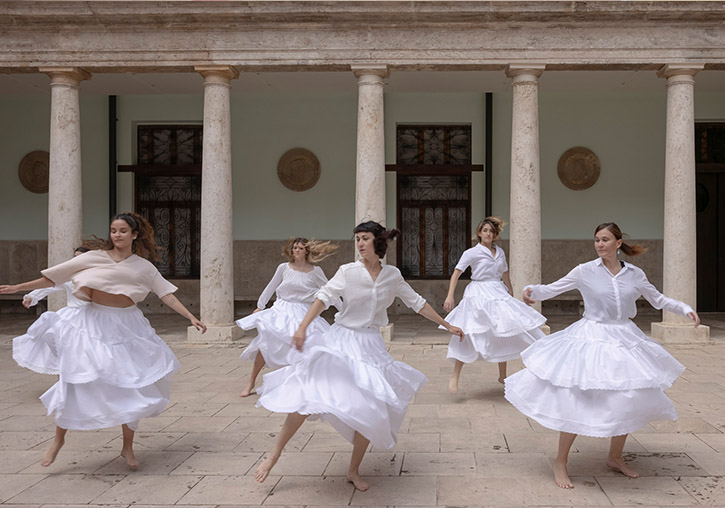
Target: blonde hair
x=497, y=223
x=316, y=251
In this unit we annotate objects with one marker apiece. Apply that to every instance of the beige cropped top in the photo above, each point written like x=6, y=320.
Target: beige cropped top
x=133, y=277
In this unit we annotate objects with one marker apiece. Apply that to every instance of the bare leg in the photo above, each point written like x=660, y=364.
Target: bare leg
x=256, y=369
x=52, y=452
x=615, y=460
x=293, y=422
x=501, y=371
x=453, y=381
x=561, y=476
x=127, y=450
x=360, y=446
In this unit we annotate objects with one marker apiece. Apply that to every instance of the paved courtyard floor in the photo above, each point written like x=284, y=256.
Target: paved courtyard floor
x=472, y=449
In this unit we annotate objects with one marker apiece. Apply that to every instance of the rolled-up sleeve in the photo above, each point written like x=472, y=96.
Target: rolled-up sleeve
x=330, y=293
x=162, y=287
x=464, y=262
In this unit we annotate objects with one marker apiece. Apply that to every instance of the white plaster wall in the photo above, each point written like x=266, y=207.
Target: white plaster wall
x=25, y=127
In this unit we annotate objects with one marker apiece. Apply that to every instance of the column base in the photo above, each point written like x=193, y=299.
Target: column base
x=214, y=334
x=387, y=332
x=676, y=333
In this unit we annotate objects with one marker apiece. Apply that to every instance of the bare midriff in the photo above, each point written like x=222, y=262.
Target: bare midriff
x=108, y=299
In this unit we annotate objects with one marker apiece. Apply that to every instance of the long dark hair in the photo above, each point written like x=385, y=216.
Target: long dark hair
x=630, y=250
x=381, y=235
x=144, y=244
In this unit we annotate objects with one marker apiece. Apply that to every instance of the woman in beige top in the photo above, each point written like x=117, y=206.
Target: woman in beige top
x=113, y=368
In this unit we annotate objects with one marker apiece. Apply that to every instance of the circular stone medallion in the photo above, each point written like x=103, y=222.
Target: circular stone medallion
x=579, y=168
x=33, y=171
x=298, y=169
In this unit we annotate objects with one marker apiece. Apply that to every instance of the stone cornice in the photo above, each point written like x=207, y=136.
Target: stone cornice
x=178, y=36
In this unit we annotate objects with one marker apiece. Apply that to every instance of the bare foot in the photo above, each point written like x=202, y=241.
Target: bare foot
x=264, y=468
x=358, y=482
x=51, y=453
x=621, y=466
x=131, y=459
x=561, y=476
x=501, y=380
x=453, y=385
x=248, y=390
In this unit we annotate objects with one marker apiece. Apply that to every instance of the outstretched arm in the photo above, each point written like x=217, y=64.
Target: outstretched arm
x=536, y=292
x=298, y=339
x=177, y=306
x=42, y=282
x=507, y=282
x=450, y=300
x=429, y=313
x=32, y=298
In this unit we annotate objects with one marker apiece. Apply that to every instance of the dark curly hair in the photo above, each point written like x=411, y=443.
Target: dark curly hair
x=381, y=235
x=144, y=244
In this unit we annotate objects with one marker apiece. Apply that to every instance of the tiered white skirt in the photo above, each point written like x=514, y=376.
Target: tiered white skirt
x=275, y=327
x=595, y=379
x=349, y=380
x=113, y=367
x=497, y=326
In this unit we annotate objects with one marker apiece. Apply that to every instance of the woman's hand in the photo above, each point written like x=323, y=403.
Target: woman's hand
x=27, y=302
x=455, y=331
x=298, y=339
x=198, y=324
x=8, y=290
x=257, y=310
x=449, y=304
x=693, y=315
x=527, y=296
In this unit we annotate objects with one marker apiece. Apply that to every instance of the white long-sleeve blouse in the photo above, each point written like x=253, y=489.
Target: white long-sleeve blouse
x=607, y=297
x=293, y=285
x=485, y=266
x=366, y=301
x=38, y=294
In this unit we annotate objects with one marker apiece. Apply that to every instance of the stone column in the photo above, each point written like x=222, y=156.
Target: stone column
x=680, y=239
x=217, y=263
x=65, y=205
x=525, y=206
x=370, y=168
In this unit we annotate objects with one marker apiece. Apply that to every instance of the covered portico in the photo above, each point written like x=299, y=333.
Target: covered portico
x=515, y=44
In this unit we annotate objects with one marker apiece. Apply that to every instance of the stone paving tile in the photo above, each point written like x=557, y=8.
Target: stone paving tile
x=439, y=464
x=310, y=490
x=229, y=490
x=715, y=441
x=708, y=491
x=299, y=464
x=66, y=489
x=22, y=440
x=712, y=462
x=72, y=462
x=156, y=424
x=327, y=443
x=672, y=443
x=84, y=441
x=243, y=424
x=511, y=465
x=153, y=441
x=374, y=464
x=200, y=424
x=34, y=408
x=207, y=442
x=263, y=442
x=439, y=425
x=149, y=489
x=158, y=463
x=471, y=442
x=663, y=491
x=646, y=464
x=416, y=443
x=214, y=463
x=410, y=491
x=688, y=425
x=12, y=461
x=12, y=485
x=24, y=423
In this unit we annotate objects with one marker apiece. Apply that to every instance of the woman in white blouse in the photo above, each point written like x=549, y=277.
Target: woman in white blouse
x=497, y=326
x=349, y=379
x=601, y=376
x=113, y=369
x=295, y=283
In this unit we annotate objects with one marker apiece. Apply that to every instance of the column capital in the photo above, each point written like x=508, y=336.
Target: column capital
x=380, y=70
x=222, y=74
x=71, y=76
x=517, y=70
x=679, y=69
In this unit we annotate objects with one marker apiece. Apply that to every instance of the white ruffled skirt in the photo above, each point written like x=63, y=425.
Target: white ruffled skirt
x=113, y=367
x=349, y=380
x=496, y=325
x=275, y=327
x=595, y=379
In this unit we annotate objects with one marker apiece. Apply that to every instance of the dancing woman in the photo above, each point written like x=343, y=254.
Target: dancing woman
x=349, y=379
x=497, y=326
x=114, y=369
x=601, y=376
x=295, y=283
